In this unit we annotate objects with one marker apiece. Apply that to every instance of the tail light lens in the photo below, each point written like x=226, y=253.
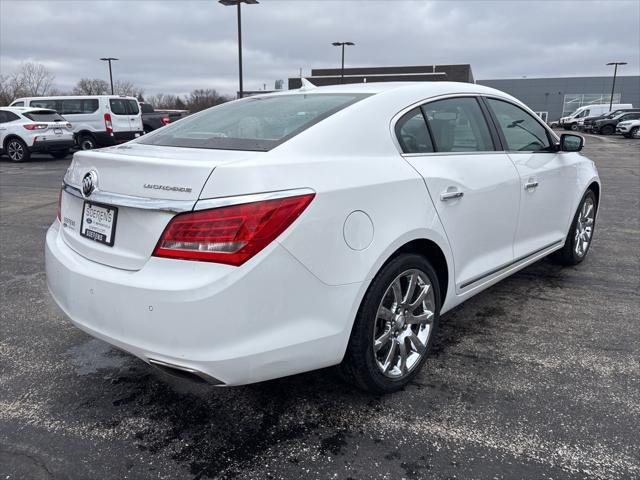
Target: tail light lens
x=165, y=120
x=107, y=123
x=230, y=235
x=36, y=126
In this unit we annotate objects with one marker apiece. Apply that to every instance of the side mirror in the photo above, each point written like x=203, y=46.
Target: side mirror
x=571, y=143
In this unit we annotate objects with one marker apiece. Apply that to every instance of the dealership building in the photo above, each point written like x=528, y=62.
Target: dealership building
x=551, y=98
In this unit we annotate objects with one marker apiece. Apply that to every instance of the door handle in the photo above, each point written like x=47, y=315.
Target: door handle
x=444, y=196
x=531, y=184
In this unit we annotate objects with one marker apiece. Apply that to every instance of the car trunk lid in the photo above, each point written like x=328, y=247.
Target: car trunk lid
x=142, y=187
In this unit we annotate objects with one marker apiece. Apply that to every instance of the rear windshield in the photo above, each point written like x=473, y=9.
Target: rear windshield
x=255, y=123
x=44, y=116
x=123, y=106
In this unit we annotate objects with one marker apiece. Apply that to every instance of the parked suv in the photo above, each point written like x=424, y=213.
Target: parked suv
x=590, y=122
x=576, y=119
x=27, y=130
x=608, y=126
x=629, y=128
x=98, y=120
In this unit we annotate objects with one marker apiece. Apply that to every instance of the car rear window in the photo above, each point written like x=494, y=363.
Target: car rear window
x=255, y=123
x=123, y=106
x=44, y=116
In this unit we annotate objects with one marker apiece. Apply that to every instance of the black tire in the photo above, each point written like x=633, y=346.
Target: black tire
x=59, y=153
x=574, y=127
x=86, y=142
x=607, y=130
x=567, y=255
x=17, y=150
x=359, y=365
x=634, y=132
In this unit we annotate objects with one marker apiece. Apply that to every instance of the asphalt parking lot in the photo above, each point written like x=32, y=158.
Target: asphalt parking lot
x=537, y=377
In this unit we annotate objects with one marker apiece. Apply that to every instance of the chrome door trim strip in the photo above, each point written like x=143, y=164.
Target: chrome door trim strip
x=121, y=200
x=509, y=265
x=209, y=203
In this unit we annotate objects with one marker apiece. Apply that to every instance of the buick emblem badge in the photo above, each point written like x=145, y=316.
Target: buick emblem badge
x=89, y=183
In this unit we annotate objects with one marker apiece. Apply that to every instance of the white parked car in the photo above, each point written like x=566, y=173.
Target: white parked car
x=98, y=120
x=27, y=130
x=287, y=232
x=629, y=128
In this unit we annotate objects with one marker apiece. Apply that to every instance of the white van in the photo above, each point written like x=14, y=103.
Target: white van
x=97, y=120
x=573, y=121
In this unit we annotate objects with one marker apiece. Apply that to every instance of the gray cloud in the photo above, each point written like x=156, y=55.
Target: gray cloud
x=175, y=46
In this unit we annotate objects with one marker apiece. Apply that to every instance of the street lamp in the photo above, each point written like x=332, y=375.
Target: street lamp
x=228, y=3
x=615, y=73
x=110, y=59
x=342, y=44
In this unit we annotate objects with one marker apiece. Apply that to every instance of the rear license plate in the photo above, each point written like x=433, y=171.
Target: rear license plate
x=98, y=223
x=57, y=131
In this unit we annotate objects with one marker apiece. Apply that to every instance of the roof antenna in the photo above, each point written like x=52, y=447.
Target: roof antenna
x=306, y=85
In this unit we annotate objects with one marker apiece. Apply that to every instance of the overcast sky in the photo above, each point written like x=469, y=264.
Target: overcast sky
x=174, y=46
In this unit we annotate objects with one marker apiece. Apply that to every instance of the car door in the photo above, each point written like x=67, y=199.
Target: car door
x=475, y=189
x=4, y=118
x=547, y=178
x=119, y=115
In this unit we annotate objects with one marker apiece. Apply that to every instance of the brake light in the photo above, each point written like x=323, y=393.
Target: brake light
x=36, y=126
x=165, y=120
x=107, y=123
x=230, y=235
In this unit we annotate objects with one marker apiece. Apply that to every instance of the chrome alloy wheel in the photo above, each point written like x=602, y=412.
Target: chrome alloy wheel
x=584, y=227
x=15, y=150
x=404, y=322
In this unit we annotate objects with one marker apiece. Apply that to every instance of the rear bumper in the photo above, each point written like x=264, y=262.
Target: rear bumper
x=269, y=318
x=104, y=139
x=52, y=145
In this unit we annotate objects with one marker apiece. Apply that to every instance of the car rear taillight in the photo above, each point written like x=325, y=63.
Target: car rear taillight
x=36, y=126
x=107, y=123
x=165, y=120
x=230, y=235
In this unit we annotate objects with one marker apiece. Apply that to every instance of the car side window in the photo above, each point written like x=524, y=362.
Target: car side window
x=10, y=117
x=17, y=104
x=412, y=133
x=521, y=131
x=458, y=125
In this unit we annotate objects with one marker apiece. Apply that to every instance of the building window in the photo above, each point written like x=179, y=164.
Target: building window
x=573, y=101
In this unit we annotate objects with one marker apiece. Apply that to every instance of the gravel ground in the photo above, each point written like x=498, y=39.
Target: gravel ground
x=537, y=377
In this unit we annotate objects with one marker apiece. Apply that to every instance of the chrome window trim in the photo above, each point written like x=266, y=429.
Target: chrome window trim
x=424, y=101
x=121, y=200
x=209, y=203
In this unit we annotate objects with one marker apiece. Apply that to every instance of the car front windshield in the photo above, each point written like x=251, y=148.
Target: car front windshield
x=254, y=123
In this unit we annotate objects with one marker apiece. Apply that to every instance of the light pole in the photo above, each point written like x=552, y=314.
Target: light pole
x=342, y=44
x=229, y=3
x=615, y=74
x=110, y=59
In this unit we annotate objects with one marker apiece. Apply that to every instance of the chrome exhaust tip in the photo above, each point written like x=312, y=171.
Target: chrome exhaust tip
x=187, y=373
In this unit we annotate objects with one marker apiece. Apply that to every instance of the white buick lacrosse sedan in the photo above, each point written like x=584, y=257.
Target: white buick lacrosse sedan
x=288, y=232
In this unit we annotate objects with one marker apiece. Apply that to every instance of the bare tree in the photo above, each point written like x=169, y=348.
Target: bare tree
x=6, y=93
x=91, y=86
x=125, y=87
x=31, y=80
x=200, y=99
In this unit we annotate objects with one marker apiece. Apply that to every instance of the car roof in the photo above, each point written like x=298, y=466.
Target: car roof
x=67, y=97
x=26, y=109
x=373, y=88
